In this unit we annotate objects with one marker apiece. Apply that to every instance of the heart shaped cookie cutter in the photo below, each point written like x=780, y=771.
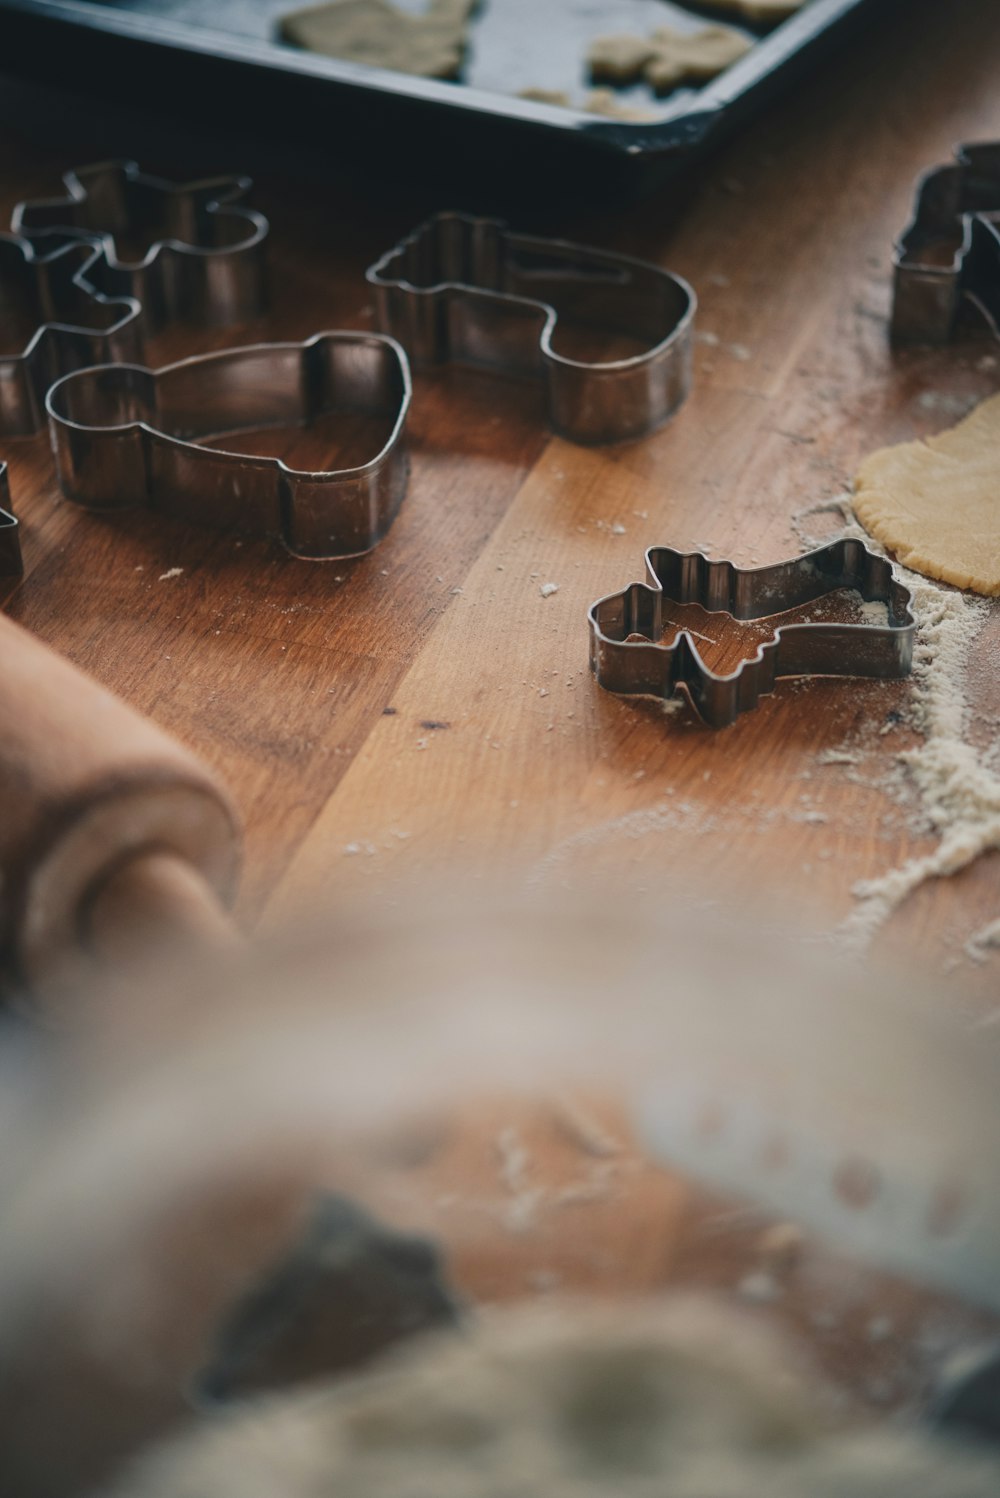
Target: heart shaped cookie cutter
x=127, y=436
x=626, y=628
x=468, y=291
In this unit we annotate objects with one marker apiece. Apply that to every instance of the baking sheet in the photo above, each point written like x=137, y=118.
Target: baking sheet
x=229, y=52
x=513, y=44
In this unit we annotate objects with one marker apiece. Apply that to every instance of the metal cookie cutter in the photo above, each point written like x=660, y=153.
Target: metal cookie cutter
x=467, y=290
x=124, y=436
x=202, y=250
x=635, y=667
x=48, y=292
x=10, y=540
x=951, y=249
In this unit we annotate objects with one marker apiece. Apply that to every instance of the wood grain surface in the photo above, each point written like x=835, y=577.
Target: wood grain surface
x=426, y=707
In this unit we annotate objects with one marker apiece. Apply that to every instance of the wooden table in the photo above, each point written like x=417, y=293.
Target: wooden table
x=426, y=708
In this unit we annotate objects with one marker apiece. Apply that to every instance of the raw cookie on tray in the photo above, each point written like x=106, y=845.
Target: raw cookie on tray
x=431, y=45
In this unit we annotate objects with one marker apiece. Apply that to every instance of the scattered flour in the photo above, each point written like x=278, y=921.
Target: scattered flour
x=947, y=402
x=875, y=612
x=519, y=1214
x=977, y=948
x=584, y=1129
x=663, y=817
x=170, y=573
x=547, y=589
x=959, y=794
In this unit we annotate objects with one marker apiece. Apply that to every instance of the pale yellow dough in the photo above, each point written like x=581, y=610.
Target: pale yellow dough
x=936, y=503
x=374, y=32
x=760, y=11
x=669, y=57
x=695, y=55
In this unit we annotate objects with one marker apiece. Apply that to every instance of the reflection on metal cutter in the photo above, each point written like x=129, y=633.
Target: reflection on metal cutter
x=11, y=564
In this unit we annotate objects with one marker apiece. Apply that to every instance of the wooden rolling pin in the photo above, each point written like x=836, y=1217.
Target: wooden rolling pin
x=112, y=835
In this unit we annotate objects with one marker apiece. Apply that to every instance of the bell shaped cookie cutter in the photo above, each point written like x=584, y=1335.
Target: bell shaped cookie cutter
x=950, y=251
x=643, y=666
x=467, y=290
x=202, y=256
x=47, y=289
x=127, y=436
x=11, y=564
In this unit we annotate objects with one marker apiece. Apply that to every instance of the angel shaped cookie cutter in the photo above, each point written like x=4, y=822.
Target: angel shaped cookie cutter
x=127, y=436
x=468, y=291
x=626, y=629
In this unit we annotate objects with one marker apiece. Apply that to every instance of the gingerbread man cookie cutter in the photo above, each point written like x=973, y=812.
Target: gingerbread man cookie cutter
x=626, y=629
x=127, y=436
x=467, y=290
x=202, y=256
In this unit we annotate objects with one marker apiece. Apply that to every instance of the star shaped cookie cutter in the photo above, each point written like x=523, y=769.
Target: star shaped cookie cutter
x=950, y=251
x=468, y=291
x=11, y=564
x=125, y=436
x=631, y=666
x=203, y=260
x=48, y=286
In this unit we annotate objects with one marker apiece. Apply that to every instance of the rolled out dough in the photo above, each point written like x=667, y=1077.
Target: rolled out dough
x=936, y=503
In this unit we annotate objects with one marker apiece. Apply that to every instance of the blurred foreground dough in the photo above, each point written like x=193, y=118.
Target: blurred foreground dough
x=572, y=1403
x=463, y=1071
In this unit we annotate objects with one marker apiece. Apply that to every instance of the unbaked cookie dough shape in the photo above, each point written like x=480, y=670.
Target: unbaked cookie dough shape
x=759, y=12
x=602, y=101
x=936, y=503
x=374, y=32
x=669, y=57
x=695, y=56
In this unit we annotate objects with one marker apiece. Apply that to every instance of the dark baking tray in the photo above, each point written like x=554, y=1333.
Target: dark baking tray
x=222, y=59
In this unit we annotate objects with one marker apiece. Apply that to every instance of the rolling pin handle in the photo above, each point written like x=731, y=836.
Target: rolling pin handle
x=155, y=899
